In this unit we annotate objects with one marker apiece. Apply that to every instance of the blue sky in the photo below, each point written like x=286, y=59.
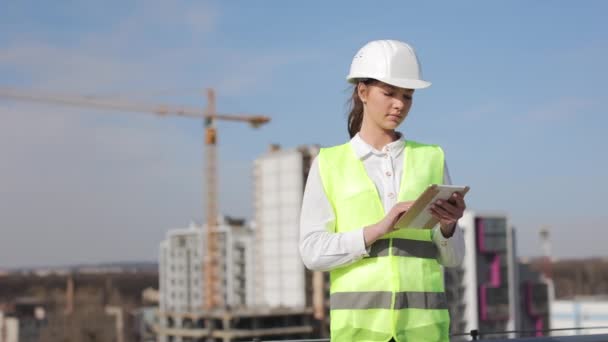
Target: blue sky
x=516, y=102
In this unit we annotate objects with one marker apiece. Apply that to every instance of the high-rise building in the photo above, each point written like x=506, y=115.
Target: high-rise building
x=534, y=302
x=181, y=272
x=279, y=180
x=491, y=292
x=482, y=292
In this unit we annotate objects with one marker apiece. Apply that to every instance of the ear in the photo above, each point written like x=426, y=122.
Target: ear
x=362, y=91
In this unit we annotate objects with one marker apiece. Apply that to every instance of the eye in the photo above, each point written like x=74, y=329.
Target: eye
x=388, y=94
x=407, y=97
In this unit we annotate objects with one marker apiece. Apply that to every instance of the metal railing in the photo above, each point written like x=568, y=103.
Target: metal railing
x=476, y=335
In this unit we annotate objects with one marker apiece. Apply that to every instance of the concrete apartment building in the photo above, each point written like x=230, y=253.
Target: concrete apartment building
x=279, y=178
x=181, y=273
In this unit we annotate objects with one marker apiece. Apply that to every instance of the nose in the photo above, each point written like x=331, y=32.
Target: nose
x=398, y=104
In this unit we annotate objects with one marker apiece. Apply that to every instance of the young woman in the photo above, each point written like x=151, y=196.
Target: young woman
x=386, y=284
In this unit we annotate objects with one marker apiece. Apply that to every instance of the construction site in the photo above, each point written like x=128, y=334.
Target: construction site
x=232, y=279
x=155, y=157
x=279, y=310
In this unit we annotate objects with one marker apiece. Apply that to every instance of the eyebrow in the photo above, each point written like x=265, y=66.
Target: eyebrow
x=393, y=88
x=388, y=87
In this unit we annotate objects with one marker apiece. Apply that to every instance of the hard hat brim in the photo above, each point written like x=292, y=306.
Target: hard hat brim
x=397, y=82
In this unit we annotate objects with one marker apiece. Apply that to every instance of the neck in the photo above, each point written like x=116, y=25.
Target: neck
x=377, y=137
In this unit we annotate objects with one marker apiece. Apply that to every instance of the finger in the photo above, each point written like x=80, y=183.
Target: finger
x=447, y=215
x=439, y=216
x=459, y=199
x=398, y=210
x=447, y=206
x=404, y=206
x=443, y=213
x=435, y=214
x=456, y=199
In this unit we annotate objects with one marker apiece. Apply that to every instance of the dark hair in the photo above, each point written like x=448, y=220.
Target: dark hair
x=355, y=117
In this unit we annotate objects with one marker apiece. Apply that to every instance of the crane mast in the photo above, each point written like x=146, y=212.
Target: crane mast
x=213, y=297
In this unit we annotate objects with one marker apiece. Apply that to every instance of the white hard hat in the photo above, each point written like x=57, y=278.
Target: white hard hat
x=390, y=61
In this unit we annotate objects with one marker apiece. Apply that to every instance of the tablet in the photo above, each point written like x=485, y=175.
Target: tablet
x=419, y=215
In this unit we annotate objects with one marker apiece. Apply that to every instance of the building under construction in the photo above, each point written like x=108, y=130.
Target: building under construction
x=265, y=289
x=282, y=280
x=279, y=178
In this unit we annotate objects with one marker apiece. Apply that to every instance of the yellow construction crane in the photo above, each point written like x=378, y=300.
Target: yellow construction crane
x=212, y=291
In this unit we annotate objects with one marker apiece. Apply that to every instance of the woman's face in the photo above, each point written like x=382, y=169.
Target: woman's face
x=385, y=106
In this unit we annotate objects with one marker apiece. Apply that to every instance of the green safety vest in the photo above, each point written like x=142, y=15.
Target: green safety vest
x=397, y=291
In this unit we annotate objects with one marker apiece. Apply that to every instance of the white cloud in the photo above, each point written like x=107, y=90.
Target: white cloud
x=124, y=55
x=53, y=67
x=125, y=60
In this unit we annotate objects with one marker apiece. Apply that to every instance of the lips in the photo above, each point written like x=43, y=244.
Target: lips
x=394, y=116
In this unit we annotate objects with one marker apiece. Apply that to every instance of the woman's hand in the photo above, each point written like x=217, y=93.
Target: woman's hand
x=386, y=225
x=449, y=212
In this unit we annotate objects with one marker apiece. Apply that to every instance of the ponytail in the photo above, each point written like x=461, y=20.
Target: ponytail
x=355, y=117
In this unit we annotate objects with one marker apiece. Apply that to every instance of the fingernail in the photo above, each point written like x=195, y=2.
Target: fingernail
x=439, y=202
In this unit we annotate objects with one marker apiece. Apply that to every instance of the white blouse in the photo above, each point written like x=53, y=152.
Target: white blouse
x=322, y=249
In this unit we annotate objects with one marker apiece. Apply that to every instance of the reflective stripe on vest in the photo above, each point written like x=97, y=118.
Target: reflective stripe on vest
x=383, y=300
x=404, y=247
x=397, y=291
